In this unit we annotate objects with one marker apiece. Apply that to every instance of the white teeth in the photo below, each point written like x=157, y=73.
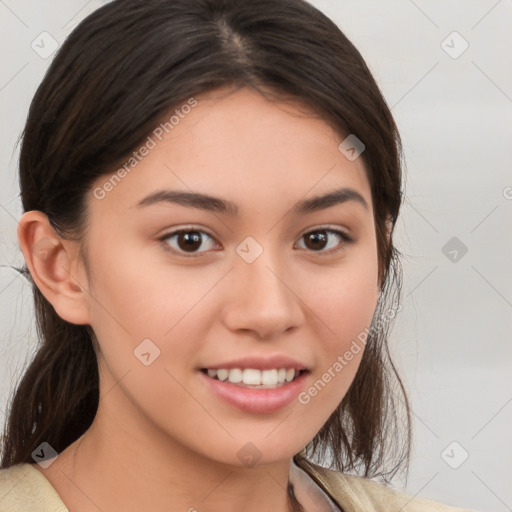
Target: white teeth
x=222, y=374
x=235, y=375
x=269, y=377
x=252, y=377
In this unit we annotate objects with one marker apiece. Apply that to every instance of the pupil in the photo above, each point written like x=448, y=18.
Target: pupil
x=317, y=237
x=189, y=240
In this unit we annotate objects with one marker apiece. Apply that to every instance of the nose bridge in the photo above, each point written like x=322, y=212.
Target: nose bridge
x=261, y=276
x=262, y=299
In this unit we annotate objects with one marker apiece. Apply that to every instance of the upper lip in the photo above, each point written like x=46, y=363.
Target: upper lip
x=260, y=363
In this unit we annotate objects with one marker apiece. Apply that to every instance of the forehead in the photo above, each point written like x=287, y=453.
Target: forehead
x=239, y=145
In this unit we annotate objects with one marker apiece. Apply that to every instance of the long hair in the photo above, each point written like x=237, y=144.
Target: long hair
x=118, y=74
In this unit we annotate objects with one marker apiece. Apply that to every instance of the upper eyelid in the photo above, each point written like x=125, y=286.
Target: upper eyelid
x=320, y=227
x=187, y=229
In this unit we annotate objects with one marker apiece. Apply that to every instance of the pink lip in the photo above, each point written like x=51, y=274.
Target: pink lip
x=256, y=400
x=261, y=363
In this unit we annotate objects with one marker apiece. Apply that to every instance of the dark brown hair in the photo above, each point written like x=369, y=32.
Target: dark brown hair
x=119, y=72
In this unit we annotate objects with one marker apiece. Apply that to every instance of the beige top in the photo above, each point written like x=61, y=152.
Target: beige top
x=23, y=488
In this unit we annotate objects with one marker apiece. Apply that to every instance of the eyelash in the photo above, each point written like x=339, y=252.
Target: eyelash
x=346, y=239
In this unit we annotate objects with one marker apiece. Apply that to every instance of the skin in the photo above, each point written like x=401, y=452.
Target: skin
x=161, y=440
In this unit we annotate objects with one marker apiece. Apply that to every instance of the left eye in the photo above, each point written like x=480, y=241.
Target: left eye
x=318, y=240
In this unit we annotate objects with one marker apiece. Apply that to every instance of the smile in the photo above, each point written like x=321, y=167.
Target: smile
x=254, y=378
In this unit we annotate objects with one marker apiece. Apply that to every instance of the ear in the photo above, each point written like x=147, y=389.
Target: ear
x=54, y=267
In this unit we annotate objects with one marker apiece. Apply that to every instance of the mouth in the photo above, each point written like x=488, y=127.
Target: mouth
x=255, y=391
x=253, y=378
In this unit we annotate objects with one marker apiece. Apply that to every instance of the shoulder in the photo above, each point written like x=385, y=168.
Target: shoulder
x=24, y=489
x=356, y=493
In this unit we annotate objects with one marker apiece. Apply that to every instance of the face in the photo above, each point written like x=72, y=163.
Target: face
x=180, y=284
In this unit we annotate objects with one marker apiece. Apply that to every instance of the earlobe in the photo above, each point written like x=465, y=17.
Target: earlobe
x=54, y=267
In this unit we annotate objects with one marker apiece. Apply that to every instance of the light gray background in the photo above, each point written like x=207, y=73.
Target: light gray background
x=452, y=338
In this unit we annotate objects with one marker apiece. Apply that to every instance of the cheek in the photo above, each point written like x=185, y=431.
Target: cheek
x=344, y=303
x=137, y=297
x=143, y=315
x=131, y=291
x=345, y=299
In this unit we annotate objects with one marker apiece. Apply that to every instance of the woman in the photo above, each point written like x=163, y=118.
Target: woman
x=210, y=189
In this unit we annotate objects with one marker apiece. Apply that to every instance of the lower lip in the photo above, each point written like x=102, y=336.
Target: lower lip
x=256, y=400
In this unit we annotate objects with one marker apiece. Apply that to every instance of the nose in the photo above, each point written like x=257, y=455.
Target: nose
x=263, y=300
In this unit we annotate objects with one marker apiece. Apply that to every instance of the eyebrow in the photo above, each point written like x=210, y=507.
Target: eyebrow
x=216, y=204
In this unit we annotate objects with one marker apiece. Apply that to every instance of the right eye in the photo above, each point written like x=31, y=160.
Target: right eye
x=185, y=242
